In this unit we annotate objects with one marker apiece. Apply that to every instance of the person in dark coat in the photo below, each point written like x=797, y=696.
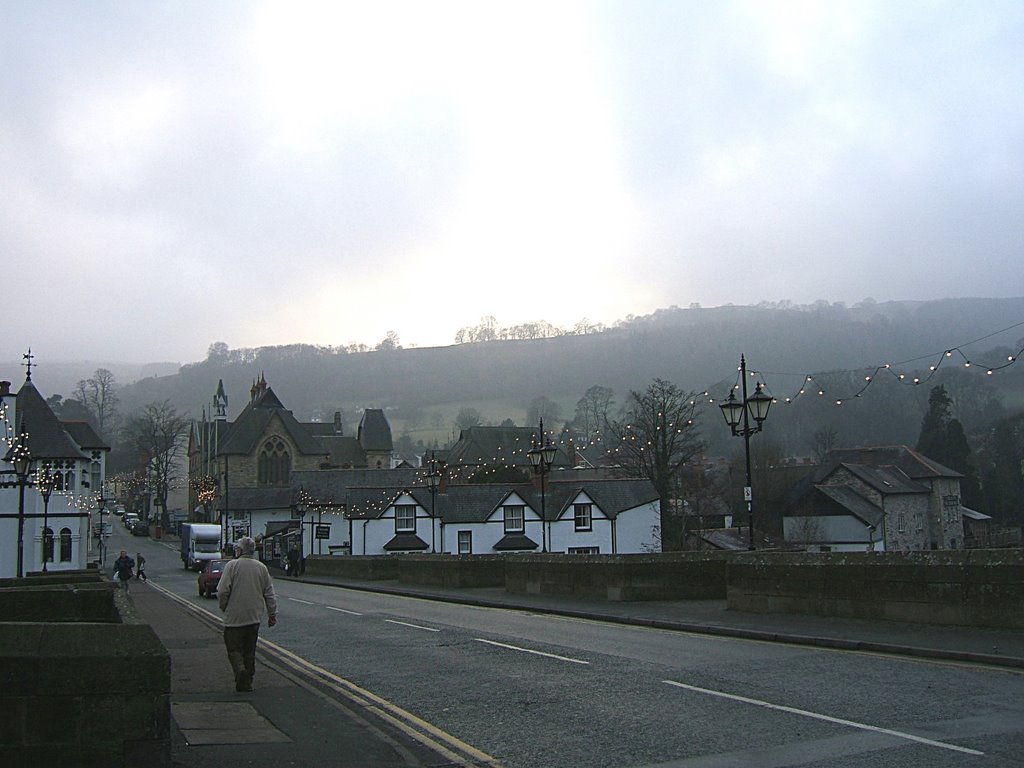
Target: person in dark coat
x=293, y=561
x=123, y=568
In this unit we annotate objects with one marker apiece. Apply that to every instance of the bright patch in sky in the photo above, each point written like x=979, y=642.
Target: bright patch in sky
x=325, y=172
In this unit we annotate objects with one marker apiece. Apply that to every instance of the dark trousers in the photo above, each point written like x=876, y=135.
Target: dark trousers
x=241, y=645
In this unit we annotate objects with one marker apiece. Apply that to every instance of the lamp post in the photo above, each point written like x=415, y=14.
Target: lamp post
x=101, y=504
x=45, y=484
x=735, y=411
x=300, y=509
x=21, y=457
x=433, y=480
x=542, y=456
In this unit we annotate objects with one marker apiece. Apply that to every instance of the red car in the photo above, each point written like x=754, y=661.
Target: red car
x=209, y=577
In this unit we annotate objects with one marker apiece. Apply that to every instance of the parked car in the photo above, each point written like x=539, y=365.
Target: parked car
x=140, y=528
x=209, y=577
x=130, y=519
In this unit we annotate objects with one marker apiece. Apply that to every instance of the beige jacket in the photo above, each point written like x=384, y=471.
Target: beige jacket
x=245, y=588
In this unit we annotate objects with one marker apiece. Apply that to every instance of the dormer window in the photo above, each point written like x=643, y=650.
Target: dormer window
x=514, y=518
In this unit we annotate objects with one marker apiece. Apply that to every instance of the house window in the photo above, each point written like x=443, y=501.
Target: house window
x=94, y=475
x=405, y=518
x=47, y=545
x=274, y=464
x=901, y=522
x=514, y=515
x=584, y=550
x=582, y=514
x=465, y=542
x=65, y=545
x=918, y=521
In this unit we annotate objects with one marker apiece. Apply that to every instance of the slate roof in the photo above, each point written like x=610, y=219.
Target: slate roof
x=613, y=495
x=898, y=465
x=406, y=542
x=252, y=499
x=512, y=542
x=854, y=503
x=483, y=446
x=374, y=431
x=47, y=437
x=973, y=514
x=886, y=479
x=915, y=465
x=85, y=436
x=331, y=486
x=365, y=496
x=251, y=425
x=343, y=451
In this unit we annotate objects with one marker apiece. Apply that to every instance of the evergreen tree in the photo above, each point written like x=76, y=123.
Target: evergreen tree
x=932, y=440
x=942, y=439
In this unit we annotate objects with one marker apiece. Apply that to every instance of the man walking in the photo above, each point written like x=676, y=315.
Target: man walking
x=123, y=569
x=244, y=592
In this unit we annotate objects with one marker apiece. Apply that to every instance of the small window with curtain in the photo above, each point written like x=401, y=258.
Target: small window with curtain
x=405, y=518
x=465, y=542
x=514, y=518
x=583, y=515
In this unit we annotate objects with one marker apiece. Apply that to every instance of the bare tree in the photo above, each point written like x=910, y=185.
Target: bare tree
x=543, y=408
x=99, y=395
x=657, y=439
x=468, y=417
x=593, y=410
x=824, y=441
x=157, y=435
x=389, y=343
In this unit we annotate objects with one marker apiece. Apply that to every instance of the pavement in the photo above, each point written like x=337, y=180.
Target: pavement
x=299, y=715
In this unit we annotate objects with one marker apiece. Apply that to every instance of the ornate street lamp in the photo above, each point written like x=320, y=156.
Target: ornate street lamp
x=45, y=484
x=433, y=479
x=21, y=458
x=542, y=456
x=101, y=504
x=736, y=411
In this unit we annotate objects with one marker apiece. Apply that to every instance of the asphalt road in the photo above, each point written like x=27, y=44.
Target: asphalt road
x=539, y=690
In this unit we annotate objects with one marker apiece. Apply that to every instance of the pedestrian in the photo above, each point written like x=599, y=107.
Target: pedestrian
x=293, y=561
x=123, y=569
x=245, y=591
x=140, y=569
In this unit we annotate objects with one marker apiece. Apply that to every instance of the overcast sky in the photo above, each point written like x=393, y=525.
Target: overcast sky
x=178, y=173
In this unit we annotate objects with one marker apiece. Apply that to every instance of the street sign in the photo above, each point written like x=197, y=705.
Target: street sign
x=323, y=530
x=747, y=493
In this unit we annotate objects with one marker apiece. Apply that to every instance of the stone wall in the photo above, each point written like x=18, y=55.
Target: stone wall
x=977, y=588
x=83, y=681
x=668, y=576
x=675, y=576
x=435, y=570
x=983, y=588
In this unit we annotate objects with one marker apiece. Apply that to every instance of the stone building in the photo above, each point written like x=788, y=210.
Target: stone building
x=888, y=498
x=246, y=464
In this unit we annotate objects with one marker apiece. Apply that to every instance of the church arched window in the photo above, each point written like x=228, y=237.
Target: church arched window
x=274, y=464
